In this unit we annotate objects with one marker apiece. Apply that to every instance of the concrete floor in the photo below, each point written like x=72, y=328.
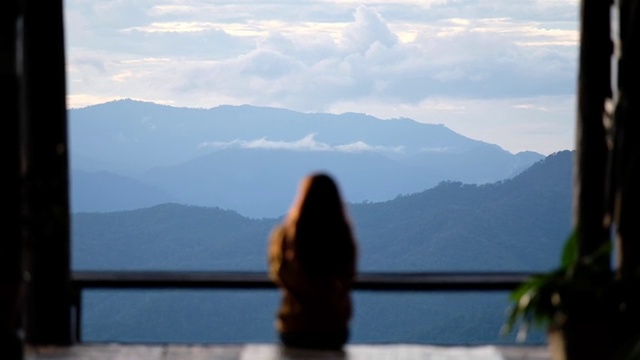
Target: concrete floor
x=275, y=352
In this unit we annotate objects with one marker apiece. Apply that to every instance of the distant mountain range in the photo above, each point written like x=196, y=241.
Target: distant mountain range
x=511, y=225
x=519, y=224
x=130, y=154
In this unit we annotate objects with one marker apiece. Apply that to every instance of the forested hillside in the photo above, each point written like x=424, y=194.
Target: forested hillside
x=517, y=224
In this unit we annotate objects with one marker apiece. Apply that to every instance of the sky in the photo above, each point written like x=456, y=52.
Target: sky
x=500, y=71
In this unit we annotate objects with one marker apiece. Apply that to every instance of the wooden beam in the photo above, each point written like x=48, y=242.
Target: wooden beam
x=627, y=145
x=475, y=281
x=403, y=282
x=11, y=284
x=45, y=175
x=591, y=216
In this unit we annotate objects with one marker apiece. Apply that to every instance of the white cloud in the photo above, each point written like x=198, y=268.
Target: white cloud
x=307, y=143
x=436, y=150
x=361, y=146
x=174, y=26
x=267, y=64
x=368, y=28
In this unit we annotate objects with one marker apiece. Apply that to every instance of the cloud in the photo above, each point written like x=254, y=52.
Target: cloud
x=375, y=54
x=308, y=65
x=368, y=28
x=268, y=64
x=307, y=143
x=361, y=146
x=175, y=27
x=437, y=150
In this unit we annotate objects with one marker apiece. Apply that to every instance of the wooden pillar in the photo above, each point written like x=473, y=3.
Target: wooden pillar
x=627, y=150
x=45, y=175
x=11, y=285
x=592, y=152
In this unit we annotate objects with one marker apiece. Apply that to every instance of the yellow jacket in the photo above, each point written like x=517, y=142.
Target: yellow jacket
x=318, y=303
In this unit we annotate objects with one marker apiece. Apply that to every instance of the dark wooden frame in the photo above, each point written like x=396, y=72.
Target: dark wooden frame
x=36, y=286
x=44, y=174
x=11, y=264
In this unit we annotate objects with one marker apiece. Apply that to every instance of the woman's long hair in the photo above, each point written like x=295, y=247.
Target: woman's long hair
x=319, y=229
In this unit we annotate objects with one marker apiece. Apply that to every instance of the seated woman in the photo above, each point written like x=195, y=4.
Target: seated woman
x=312, y=258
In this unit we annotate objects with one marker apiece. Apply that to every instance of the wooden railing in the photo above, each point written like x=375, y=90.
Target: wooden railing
x=122, y=280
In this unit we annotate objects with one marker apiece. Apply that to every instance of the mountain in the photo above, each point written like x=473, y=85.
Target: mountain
x=515, y=224
x=262, y=183
x=169, y=237
x=247, y=158
x=509, y=225
x=103, y=191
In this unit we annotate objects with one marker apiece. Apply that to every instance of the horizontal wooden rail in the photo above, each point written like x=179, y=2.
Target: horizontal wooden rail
x=258, y=280
x=123, y=280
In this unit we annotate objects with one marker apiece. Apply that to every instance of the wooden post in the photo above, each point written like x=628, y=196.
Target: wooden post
x=45, y=175
x=627, y=150
x=11, y=285
x=594, y=87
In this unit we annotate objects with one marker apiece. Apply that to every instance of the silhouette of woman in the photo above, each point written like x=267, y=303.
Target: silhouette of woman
x=312, y=258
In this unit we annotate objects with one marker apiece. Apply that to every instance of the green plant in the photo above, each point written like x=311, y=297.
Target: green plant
x=545, y=300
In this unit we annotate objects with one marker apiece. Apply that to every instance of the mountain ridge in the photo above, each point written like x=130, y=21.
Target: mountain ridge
x=152, y=143
x=534, y=205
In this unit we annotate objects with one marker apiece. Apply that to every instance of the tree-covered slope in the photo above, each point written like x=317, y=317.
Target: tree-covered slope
x=516, y=224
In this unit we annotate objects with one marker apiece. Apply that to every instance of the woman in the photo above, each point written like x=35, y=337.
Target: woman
x=312, y=258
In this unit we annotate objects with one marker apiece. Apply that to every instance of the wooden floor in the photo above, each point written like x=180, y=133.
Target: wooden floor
x=274, y=352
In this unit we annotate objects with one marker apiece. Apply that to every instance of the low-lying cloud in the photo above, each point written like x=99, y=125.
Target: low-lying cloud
x=307, y=143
